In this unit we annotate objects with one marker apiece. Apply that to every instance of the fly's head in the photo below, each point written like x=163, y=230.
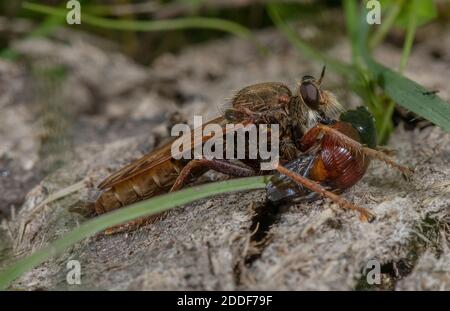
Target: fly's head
x=316, y=103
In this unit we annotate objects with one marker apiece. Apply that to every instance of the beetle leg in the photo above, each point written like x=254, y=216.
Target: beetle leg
x=364, y=214
x=222, y=166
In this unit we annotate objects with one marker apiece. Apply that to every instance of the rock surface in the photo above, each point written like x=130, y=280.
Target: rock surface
x=118, y=110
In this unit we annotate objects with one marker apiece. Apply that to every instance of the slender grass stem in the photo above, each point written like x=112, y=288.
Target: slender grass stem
x=147, y=26
x=409, y=39
x=386, y=25
x=141, y=209
x=351, y=18
x=386, y=124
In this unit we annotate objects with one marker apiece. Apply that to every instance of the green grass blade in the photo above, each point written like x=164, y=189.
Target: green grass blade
x=137, y=210
x=411, y=95
x=147, y=26
x=402, y=90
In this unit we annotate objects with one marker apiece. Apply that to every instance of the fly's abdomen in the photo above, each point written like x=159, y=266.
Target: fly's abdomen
x=157, y=180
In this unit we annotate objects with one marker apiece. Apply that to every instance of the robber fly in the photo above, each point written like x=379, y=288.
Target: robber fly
x=274, y=103
x=263, y=103
x=335, y=157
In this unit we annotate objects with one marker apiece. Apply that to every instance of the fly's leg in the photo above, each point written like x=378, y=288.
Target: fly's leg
x=135, y=224
x=341, y=139
x=364, y=214
x=221, y=166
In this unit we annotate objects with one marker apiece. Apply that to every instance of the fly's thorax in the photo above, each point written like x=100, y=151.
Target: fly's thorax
x=262, y=97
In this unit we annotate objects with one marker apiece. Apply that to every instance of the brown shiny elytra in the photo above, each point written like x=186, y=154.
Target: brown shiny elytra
x=335, y=157
x=267, y=103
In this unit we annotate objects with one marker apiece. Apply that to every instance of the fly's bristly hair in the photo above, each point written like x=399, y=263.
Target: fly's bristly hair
x=331, y=106
x=312, y=118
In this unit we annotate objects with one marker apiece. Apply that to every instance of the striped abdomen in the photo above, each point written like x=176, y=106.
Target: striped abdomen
x=155, y=181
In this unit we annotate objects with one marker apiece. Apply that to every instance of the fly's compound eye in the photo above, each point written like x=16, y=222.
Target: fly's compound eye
x=310, y=95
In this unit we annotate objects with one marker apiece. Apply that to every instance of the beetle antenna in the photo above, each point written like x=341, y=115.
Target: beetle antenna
x=322, y=74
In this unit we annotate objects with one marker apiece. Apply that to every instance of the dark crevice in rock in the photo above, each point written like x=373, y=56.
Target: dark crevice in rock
x=265, y=215
x=237, y=273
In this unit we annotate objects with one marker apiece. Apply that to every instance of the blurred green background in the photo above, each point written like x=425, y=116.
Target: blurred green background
x=146, y=29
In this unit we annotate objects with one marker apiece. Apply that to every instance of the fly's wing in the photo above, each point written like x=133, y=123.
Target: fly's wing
x=283, y=189
x=139, y=166
x=152, y=159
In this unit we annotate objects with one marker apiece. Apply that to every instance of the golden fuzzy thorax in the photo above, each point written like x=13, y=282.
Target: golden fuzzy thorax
x=305, y=117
